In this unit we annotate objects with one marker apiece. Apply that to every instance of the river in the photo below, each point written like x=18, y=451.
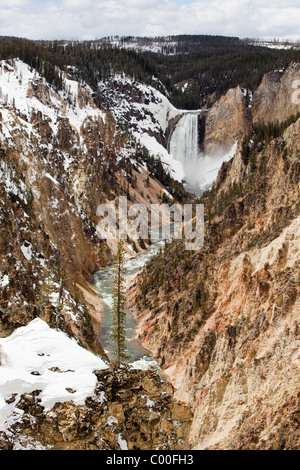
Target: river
x=140, y=358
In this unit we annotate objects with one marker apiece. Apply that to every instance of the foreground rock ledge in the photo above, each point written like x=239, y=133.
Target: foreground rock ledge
x=132, y=410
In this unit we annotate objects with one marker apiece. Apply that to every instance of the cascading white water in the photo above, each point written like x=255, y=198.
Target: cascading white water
x=200, y=170
x=184, y=140
x=184, y=147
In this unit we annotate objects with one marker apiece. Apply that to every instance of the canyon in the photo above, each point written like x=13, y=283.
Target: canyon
x=222, y=323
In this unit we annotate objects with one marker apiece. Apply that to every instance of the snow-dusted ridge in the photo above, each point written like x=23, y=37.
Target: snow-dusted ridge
x=154, y=114
x=15, y=83
x=146, y=114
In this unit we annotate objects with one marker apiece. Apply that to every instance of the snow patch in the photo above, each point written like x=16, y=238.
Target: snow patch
x=51, y=178
x=122, y=443
x=26, y=249
x=37, y=357
x=4, y=281
x=175, y=167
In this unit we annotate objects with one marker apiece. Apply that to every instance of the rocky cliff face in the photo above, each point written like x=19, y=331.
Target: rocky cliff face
x=224, y=322
x=226, y=122
x=131, y=410
x=231, y=117
x=139, y=107
x=61, y=156
x=277, y=98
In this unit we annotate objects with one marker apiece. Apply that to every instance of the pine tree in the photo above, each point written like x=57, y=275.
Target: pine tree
x=118, y=310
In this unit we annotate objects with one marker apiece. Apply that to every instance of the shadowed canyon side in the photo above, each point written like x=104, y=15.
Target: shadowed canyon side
x=223, y=322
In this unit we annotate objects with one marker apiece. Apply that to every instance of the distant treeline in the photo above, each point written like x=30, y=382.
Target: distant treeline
x=211, y=64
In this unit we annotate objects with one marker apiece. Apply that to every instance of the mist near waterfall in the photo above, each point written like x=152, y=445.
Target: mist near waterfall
x=200, y=170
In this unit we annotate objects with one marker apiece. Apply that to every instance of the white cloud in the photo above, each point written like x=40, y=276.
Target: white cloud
x=76, y=5
x=86, y=19
x=16, y=3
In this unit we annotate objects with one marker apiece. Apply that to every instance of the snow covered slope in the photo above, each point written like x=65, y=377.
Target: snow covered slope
x=24, y=91
x=36, y=357
x=144, y=112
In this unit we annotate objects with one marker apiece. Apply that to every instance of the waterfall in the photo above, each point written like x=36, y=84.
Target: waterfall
x=184, y=147
x=184, y=140
x=200, y=170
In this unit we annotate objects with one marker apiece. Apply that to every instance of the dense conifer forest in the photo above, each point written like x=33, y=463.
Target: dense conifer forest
x=210, y=65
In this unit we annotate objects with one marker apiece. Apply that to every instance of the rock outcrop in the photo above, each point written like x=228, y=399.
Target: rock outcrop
x=231, y=117
x=226, y=122
x=132, y=410
x=277, y=97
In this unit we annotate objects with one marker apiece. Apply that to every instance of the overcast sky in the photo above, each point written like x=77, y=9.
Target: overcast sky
x=89, y=19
